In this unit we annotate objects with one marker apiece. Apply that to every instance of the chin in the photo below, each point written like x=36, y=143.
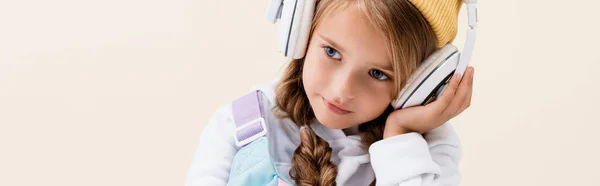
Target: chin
x=332, y=122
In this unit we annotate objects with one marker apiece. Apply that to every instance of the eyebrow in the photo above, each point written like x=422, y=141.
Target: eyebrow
x=387, y=68
x=333, y=44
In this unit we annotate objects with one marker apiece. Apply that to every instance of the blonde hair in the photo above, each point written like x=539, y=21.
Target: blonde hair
x=411, y=40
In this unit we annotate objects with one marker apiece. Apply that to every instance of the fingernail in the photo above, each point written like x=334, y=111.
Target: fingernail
x=457, y=75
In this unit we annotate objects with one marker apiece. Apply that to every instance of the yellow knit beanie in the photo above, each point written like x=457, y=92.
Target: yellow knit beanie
x=442, y=15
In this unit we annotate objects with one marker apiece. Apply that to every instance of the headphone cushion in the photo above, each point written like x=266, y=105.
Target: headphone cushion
x=300, y=28
x=424, y=69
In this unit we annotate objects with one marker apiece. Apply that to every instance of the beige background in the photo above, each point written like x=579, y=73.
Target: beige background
x=116, y=92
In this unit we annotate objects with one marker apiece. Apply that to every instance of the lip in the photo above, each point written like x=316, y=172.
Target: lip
x=335, y=108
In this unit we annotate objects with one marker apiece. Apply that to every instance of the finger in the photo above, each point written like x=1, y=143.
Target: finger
x=447, y=95
x=467, y=102
x=462, y=94
x=413, y=118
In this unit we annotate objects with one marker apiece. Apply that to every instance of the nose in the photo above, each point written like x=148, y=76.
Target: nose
x=343, y=87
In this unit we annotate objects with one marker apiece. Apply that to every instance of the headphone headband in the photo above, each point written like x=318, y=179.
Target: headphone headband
x=467, y=52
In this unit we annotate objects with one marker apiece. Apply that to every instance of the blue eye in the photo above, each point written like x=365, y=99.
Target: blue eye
x=332, y=53
x=377, y=74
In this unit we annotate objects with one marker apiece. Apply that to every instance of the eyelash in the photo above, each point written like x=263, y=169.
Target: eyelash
x=325, y=47
x=382, y=73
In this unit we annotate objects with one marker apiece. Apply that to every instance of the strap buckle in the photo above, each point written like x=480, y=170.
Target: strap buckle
x=250, y=131
x=249, y=118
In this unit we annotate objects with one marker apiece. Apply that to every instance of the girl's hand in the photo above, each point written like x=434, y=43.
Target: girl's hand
x=453, y=101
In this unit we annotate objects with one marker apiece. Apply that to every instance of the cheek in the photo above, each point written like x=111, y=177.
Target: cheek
x=386, y=90
x=314, y=71
x=375, y=102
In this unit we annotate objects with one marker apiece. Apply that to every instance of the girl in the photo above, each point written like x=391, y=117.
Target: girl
x=328, y=120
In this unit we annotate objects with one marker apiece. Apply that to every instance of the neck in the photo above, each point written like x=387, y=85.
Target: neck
x=351, y=131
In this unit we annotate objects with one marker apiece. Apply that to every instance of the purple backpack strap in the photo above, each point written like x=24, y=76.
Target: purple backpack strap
x=249, y=118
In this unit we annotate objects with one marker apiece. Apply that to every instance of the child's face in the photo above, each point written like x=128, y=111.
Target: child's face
x=347, y=66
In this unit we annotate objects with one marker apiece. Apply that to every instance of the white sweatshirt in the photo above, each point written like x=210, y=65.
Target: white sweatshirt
x=408, y=160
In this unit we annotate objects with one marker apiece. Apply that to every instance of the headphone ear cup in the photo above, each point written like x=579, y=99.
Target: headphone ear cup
x=295, y=32
x=440, y=62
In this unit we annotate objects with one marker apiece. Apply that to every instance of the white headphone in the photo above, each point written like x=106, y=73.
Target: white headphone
x=428, y=82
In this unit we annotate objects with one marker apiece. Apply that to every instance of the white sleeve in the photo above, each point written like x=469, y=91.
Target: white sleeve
x=216, y=149
x=413, y=159
x=446, y=152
